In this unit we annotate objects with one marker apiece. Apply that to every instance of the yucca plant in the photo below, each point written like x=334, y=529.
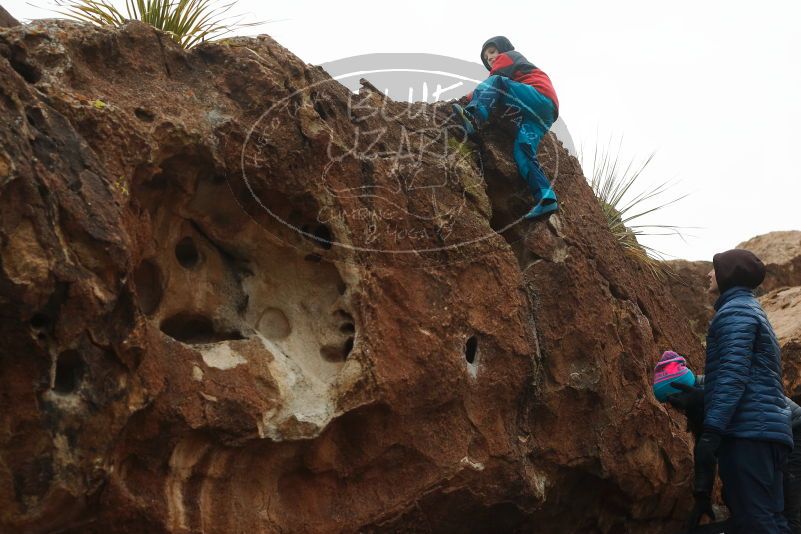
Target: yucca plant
x=188, y=22
x=613, y=183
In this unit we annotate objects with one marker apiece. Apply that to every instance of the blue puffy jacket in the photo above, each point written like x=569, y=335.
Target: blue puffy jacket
x=743, y=393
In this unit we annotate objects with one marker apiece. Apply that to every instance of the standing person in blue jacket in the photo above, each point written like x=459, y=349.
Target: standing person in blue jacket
x=527, y=91
x=746, y=418
x=685, y=391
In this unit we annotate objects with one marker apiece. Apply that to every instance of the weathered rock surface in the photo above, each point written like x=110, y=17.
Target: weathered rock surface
x=781, y=254
x=226, y=308
x=779, y=251
x=783, y=307
x=6, y=19
x=688, y=284
x=779, y=294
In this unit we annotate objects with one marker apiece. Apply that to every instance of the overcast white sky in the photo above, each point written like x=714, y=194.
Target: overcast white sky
x=713, y=87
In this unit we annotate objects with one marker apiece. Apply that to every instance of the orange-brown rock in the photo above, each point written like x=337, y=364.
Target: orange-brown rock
x=779, y=251
x=781, y=254
x=783, y=307
x=780, y=296
x=225, y=308
x=688, y=282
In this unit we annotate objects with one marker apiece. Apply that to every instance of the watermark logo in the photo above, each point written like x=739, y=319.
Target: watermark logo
x=396, y=165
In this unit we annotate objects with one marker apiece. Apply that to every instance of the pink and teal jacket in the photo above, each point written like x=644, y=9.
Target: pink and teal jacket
x=513, y=65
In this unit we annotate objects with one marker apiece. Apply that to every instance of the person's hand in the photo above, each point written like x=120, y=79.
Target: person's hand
x=703, y=507
x=706, y=461
x=689, y=398
x=691, y=402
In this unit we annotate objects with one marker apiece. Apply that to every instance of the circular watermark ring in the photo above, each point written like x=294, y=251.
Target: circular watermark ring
x=434, y=77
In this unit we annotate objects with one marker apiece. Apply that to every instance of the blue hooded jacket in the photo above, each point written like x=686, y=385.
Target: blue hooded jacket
x=743, y=392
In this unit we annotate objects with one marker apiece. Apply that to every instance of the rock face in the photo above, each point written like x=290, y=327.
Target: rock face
x=781, y=254
x=780, y=296
x=6, y=19
x=783, y=307
x=226, y=308
x=688, y=285
x=779, y=251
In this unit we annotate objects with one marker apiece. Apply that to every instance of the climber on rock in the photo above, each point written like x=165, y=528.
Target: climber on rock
x=746, y=428
x=530, y=100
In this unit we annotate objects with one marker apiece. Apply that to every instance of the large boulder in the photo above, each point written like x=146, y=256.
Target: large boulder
x=688, y=282
x=779, y=251
x=227, y=306
x=781, y=254
x=783, y=307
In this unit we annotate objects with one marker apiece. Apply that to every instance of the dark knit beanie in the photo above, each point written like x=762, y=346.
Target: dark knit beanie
x=738, y=268
x=501, y=43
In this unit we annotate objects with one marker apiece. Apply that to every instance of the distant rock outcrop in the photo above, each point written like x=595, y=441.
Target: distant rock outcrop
x=688, y=284
x=783, y=307
x=779, y=294
x=781, y=254
x=225, y=307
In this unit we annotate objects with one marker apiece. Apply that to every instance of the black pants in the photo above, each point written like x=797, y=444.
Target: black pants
x=792, y=485
x=752, y=475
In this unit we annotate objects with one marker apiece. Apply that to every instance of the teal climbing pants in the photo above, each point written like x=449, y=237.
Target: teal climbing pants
x=532, y=112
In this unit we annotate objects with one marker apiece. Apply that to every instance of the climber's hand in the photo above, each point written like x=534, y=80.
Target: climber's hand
x=689, y=397
x=703, y=507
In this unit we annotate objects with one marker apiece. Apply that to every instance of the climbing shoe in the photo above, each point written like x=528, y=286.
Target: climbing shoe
x=546, y=205
x=541, y=210
x=465, y=119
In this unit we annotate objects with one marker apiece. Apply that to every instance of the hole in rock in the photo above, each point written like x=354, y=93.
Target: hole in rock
x=43, y=321
x=320, y=109
x=20, y=64
x=144, y=115
x=69, y=372
x=314, y=257
x=470, y=350
x=324, y=236
x=347, y=325
x=194, y=328
x=341, y=288
x=149, y=287
x=617, y=292
x=186, y=252
x=36, y=117
x=40, y=321
x=321, y=235
x=273, y=324
x=337, y=353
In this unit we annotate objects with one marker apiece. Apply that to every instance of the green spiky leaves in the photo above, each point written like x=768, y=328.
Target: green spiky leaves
x=614, y=184
x=188, y=22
